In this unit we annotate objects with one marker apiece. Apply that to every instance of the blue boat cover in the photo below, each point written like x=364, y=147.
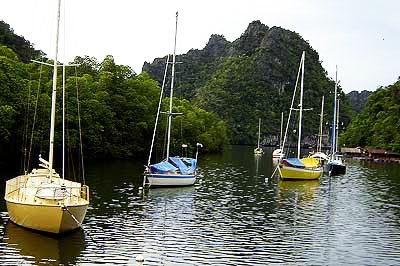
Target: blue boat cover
x=334, y=163
x=185, y=165
x=162, y=167
x=295, y=162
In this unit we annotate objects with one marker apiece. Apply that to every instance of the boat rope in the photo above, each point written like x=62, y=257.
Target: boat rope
x=273, y=173
x=158, y=110
x=34, y=117
x=79, y=124
x=25, y=135
x=288, y=119
x=156, y=123
x=65, y=208
x=165, y=139
x=291, y=107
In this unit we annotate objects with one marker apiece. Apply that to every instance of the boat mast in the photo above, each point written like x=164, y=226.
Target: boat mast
x=280, y=136
x=172, y=88
x=54, y=93
x=337, y=126
x=259, y=128
x=321, y=120
x=334, y=119
x=63, y=121
x=301, y=104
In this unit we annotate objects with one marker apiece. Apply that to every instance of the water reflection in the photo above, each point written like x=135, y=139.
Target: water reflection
x=234, y=215
x=257, y=158
x=32, y=247
x=302, y=190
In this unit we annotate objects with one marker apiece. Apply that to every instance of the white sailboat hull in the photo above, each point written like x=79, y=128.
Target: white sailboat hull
x=58, y=209
x=169, y=180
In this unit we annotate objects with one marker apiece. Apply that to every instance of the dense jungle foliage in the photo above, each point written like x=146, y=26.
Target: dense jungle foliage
x=117, y=110
x=378, y=124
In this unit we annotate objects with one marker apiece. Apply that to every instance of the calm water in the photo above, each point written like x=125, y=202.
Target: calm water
x=234, y=215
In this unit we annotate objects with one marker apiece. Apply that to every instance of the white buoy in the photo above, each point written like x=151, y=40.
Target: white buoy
x=139, y=258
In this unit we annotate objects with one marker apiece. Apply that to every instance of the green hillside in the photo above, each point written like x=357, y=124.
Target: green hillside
x=253, y=77
x=378, y=124
x=23, y=48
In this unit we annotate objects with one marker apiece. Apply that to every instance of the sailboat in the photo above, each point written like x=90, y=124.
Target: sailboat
x=319, y=154
x=278, y=153
x=43, y=200
x=296, y=168
x=335, y=165
x=173, y=170
x=258, y=150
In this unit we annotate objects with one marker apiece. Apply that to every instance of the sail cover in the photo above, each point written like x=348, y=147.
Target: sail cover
x=162, y=167
x=185, y=165
x=294, y=162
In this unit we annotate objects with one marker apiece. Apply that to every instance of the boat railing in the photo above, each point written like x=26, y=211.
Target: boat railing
x=20, y=187
x=13, y=185
x=84, y=192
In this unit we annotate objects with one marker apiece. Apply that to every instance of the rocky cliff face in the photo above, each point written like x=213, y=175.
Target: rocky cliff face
x=252, y=77
x=358, y=99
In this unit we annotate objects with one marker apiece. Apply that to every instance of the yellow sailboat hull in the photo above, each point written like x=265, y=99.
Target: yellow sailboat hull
x=51, y=218
x=56, y=214
x=293, y=173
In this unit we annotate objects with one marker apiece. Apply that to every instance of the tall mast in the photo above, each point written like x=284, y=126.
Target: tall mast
x=63, y=121
x=301, y=103
x=321, y=120
x=337, y=126
x=334, y=118
x=172, y=88
x=280, y=136
x=53, y=96
x=259, y=128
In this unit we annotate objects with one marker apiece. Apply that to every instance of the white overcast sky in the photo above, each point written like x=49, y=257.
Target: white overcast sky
x=362, y=37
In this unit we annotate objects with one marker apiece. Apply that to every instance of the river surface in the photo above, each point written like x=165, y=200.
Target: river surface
x=235, y=214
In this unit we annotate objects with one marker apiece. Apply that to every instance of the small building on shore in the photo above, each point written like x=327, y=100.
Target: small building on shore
x=353, y=152
x=376, y=155
x=380, y=155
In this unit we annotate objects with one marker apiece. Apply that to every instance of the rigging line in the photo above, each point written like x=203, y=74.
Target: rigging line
x=165, y=139
x=79, y=124
x=65, y=208
x=288, y=120
x=34, y=116
x=158, y=110
x=291, y=107
x=69, y=153
x=25, y=135
x=172, y=88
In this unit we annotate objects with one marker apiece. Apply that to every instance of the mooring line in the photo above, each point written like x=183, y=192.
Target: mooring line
x=79, y=224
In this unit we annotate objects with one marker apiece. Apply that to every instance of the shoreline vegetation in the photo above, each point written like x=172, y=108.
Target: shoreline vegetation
x=223, y=89
x=117, y=111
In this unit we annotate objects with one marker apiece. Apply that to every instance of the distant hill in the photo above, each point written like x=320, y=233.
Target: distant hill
x=253, y=77
x=18, y=44
x=358, y=99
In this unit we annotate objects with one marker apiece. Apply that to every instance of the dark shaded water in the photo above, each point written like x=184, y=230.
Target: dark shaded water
x=234, y=215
